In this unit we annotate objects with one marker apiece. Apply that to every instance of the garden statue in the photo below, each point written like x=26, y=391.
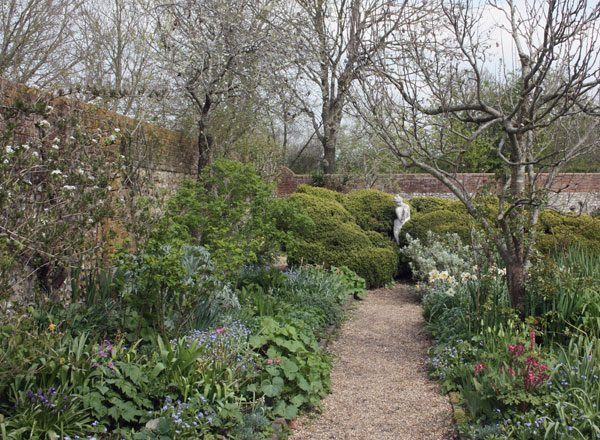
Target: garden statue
x=402, y=216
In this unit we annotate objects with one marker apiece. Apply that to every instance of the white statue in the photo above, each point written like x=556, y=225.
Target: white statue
x=402, y=216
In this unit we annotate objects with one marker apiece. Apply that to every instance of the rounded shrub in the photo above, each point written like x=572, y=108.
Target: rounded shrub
x=377, y=265
x=322, y=193
x=319, y=209
x=373, y=210
x=380, y=240
x=559, y=230
x=424, y=205
x=441, y=221
x=335, y=239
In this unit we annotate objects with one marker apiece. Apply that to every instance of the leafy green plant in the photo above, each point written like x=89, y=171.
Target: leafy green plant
x=46, y=414
x=295, y=373
x=354, y=284
x=230, y=211
x=173, y=287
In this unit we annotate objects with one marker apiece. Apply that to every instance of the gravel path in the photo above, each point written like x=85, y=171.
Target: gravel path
x=380, y=388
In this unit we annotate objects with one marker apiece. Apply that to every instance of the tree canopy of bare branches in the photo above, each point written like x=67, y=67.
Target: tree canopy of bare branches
x=444, y=80
x=212, y=49
x=333, y=43
x=35, y=39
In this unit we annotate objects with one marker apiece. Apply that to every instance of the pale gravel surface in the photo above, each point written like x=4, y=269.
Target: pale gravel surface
x=380, y=388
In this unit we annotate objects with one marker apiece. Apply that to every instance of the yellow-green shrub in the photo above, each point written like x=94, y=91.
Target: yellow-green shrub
x=441, y=222
x=334, y=239
x=373, y=210
x=560, y=230
x=424, y=205
x=322, y=193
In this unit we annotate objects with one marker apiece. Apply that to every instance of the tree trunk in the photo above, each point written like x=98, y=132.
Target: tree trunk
x=205, y=146
x=333, y=121
x=516, y=275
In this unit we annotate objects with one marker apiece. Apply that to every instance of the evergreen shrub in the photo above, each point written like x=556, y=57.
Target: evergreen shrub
x=373, y=210
x=333, y=238
x=560, y=231
x=321, y=193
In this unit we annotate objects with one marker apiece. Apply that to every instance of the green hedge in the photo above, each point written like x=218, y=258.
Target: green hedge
x=561, y=230
x=555, y=230
x=373, y=210
x=376, y=265
x=424, y=205
x=441, y=221
x=334, y=238
x=321, y=193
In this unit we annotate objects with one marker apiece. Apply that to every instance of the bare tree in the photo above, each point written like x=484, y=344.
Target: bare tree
x=35, y=40
x=333, y=42
x=115, y=66
x=440, y=82
x=212, y=49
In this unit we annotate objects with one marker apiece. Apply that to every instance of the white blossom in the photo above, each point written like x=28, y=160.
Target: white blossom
x=5, y=161
x=25, y=147
x=69, y=187
x=55, y=147
x=44, y=124
x=9, y=149
x=56, y=173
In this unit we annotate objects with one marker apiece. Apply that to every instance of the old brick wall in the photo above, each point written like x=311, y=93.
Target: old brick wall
x=167, y=156
x=578, y=192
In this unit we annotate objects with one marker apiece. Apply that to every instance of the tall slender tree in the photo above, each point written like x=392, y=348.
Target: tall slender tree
x=332, y=45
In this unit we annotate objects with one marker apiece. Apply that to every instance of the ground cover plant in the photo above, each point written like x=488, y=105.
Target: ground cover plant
x=191, y=334
x=509, y=377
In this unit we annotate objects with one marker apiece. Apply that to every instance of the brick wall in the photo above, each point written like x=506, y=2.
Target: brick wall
x=571, y=191
x=167, y=155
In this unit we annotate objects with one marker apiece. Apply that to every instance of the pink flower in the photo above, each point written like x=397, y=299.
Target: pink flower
x=220, y=330
x=479, y=368
x=516, y=350
x=269, y=361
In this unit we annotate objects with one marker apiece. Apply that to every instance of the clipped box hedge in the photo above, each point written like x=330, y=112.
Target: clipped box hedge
x=555, y=230
x=334, y=238
x=373, y=210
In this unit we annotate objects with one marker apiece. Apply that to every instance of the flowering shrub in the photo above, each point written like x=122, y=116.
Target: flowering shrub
x=55, y=185
x=512, y=379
